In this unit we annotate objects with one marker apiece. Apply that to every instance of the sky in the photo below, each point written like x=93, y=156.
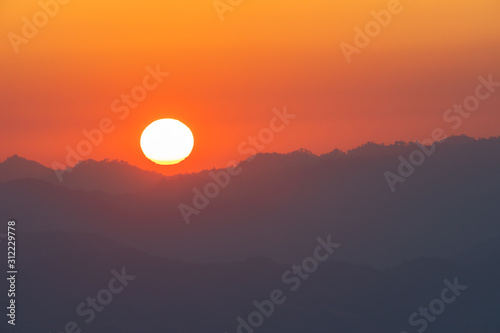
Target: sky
x=226, y=76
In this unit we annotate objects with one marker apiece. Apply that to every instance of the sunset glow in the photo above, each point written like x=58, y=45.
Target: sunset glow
x=227, y=76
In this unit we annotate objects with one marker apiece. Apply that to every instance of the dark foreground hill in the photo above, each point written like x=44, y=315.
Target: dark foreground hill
x=59, y=272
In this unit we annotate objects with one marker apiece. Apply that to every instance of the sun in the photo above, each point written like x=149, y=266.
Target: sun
x=167, y=141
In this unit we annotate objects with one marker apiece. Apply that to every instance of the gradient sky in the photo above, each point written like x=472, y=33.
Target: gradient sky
x=227, y=76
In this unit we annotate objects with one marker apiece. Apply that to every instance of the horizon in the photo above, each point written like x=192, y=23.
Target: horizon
x=223, y=166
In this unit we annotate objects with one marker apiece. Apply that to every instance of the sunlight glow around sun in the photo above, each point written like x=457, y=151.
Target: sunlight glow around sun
x=167, y=141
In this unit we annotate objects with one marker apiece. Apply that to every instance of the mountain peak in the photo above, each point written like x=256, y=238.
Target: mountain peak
x=16, y=158
x=16, y=167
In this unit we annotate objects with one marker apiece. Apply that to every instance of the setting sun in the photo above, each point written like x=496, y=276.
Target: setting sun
x=167, y=141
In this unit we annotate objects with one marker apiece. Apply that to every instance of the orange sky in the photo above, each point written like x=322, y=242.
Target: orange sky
x=227, y=76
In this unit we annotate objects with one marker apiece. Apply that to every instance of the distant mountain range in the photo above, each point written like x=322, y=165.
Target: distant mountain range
x=276, y=205
x=115, y=176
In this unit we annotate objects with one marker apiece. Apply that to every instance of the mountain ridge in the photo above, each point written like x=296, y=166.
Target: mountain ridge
x=118, y=176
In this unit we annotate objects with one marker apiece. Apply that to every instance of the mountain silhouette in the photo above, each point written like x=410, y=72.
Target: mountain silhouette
x=16, y=167
x=397, y=250
x=110, y=176
x=279, y=204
